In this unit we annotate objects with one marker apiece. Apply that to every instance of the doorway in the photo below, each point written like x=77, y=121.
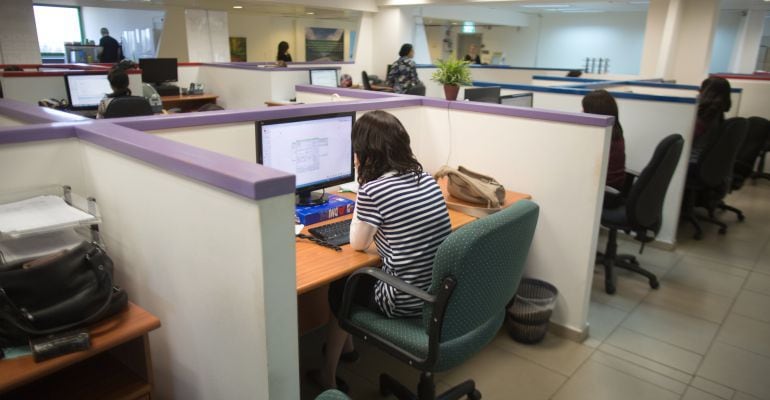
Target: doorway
x=464, y=42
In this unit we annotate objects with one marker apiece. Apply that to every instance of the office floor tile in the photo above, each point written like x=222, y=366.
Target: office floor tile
x=753, y=305
x=596, y=381
x=499, y=374
x=602, y=320
x=671, y=327
x=705, y=385
x=738, y=369
x=746, y=333
x=655, y=350
x=744, y=396
x=557, y=354
x=631, y=287
x=697, y=394
x=709, y=276
x=763, y=263
x=758, y=282
x=693, y=302
x=650, y=256
x=725, y=249
x=642, y=367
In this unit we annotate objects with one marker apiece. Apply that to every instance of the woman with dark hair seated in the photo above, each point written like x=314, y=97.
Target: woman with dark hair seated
x=714, y=102
x=403, y=72
x=601, y=102
x=400, y=208
x=283, y=53
x=119, y=83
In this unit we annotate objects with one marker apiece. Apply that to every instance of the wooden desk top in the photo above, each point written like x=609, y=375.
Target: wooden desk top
x=318, y=266
x=111, y=332
x=189, y=97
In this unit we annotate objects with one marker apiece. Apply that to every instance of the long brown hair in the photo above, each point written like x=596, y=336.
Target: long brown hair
x=382, y=145
x=714, y=98
x=601, y=102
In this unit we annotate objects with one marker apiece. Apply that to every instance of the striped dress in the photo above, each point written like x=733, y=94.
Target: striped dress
x=412, y=220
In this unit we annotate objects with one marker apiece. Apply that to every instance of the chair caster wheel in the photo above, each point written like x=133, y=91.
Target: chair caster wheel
x=722, y=231
x=654, y=284
x=741, y=217
x=609, y=288
x=476, y=395
x=384, y=390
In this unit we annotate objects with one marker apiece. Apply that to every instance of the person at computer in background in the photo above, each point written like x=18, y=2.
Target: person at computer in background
x=110, y=48
x=119, y=83
x=346, y=81
x=283, y=52
x=714, y=102
x=403, y=72
x=601, y=102
x=401, y=209
x=473, y=55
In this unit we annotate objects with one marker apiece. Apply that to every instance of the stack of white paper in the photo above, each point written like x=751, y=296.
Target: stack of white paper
x=37, y=214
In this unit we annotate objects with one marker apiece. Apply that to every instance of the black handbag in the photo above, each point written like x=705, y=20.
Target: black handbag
x=56, y=294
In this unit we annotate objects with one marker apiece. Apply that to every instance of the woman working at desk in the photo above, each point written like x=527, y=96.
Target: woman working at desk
x=118, y=79
x=601, y=102
x=401, y=209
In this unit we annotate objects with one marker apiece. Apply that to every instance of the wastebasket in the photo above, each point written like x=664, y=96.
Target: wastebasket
x=530, y=311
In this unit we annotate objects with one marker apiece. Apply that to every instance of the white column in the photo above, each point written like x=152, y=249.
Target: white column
x=746, y=49
x=678, y=39
x=392, y=28
x=18, y=36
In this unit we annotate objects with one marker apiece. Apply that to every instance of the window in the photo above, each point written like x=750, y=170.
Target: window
x=56, y=25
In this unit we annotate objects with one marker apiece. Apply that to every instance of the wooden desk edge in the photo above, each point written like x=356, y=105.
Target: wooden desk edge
x=23, y=370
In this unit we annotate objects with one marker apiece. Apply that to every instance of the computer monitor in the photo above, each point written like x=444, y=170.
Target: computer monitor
x=158, y=70
x=324, y=77
x=518, y=99
x=483, y=94
x=317, y=149
x=84, y=92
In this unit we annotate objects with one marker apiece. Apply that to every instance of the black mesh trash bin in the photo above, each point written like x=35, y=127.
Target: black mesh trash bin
x=530, y=311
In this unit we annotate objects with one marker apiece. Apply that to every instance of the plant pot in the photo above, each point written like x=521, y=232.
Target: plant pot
x=451, y=91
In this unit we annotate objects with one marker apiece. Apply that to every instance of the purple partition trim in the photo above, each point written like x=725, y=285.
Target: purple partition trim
x=261, y=67
x=347, y=92
x=31, y=133
x=152, y=123
x=33, y=114
x=244, y=178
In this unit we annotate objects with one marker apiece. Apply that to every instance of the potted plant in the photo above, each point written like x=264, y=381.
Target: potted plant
x=452, y=73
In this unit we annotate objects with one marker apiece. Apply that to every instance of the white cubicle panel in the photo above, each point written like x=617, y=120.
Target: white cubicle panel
x=241, y=88
x=215, y=266
x=31, y=89
x=237, y=140
x=736, y=97
x=754, y=102
x=487, y=74
x=187, y=74
x=645, y=123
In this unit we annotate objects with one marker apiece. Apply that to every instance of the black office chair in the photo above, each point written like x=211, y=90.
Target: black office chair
x=709, y=177
x=365, y=80
x=641, y=212
x=128, y=106
x=418, y=90
x=760, y=172
x=757, y=136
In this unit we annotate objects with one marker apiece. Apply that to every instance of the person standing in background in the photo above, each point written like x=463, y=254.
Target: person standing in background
x=473, y=55
x=403, y=72
x=110, y=48
x=283, y=52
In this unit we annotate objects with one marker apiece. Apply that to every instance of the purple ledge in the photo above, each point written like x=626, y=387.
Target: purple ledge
x=33, y=114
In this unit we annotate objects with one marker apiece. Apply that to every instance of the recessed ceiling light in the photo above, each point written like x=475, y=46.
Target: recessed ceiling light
x=238, y=7
x=546, y=6
x=310, y=13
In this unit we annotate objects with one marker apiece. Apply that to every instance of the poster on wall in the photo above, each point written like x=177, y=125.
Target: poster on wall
x=237, y=49
x=324, y=44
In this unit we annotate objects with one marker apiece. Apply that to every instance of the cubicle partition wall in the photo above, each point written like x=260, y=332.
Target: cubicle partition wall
x=30, y=87
x=488, y=73
x=16, y=113
x=756, y=92
x=201, y=240
x=559, y=158
x=646, y=120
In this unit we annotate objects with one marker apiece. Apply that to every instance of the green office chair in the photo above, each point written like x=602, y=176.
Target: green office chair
x=332, y=394
x=475, y=275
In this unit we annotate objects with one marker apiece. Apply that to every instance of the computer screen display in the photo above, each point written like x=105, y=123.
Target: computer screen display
x=318, y=149
x=324, y=77
x=518, y=100
x=483, y=94
x=158, y=70
x=86, y=91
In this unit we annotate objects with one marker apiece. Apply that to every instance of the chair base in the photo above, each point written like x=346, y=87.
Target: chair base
x=759, y=175
x=693, y=219
x=426, y=389
x=611, y=259
x=730, y=208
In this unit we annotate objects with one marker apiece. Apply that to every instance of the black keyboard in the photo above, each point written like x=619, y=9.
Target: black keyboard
x=337, y=233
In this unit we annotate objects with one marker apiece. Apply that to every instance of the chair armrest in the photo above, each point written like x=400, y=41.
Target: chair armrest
x=611, y=190
x=380, y=275
x=632, y=172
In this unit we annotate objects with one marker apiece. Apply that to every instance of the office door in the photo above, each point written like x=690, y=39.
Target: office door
x=464, y=42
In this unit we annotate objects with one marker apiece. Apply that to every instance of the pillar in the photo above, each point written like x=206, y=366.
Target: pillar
x=746, y=49
x=18, y=36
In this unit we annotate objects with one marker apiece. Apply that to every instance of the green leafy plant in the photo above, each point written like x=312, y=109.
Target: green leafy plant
x=452, y=72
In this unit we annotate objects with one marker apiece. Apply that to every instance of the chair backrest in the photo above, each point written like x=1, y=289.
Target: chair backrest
x=644, y=205
x=756, y=138
x=128, y=106
x=365, y=80
x=418, y=90
x=715, y=164
x=486, y=258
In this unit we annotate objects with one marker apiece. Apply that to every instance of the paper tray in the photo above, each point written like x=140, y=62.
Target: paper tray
x=44, y=209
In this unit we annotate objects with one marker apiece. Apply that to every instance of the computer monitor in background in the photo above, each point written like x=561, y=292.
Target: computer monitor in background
x=483, y=94
x=317, y=149
x=518, y=99
x=158, y=70
x=84, y=92
x=324, y=77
